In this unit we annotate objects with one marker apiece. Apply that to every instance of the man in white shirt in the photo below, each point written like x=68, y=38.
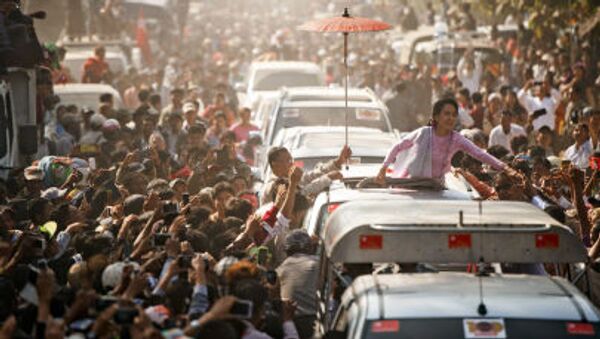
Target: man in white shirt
x=469, y=71
x=543, y=98
x=579, y=153
x=506, y=131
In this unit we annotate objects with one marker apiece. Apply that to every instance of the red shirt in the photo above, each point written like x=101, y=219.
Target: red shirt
x=94, y=70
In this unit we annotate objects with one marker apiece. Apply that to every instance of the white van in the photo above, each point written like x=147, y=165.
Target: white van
x=360, y=234
x=18, y=129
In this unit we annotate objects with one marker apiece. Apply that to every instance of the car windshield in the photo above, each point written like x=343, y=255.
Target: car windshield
x=274, y=81
x=331, y=116
x=457, y=328
x=449, y=57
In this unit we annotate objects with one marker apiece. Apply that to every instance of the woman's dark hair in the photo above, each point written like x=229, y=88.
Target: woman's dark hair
x=439, y=105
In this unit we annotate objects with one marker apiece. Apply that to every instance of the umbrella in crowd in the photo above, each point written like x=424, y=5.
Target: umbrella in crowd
x=345, y=24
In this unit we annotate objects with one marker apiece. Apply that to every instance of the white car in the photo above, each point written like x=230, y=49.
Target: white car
x=449, y=305
x=264, y=79
x=86, y=95
x=314, y=144
x=411, y=230
x=325, y=106
x=76, y=57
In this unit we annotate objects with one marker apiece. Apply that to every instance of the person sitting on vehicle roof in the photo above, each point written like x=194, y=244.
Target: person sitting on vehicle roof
x=312, y=183
x=96, y=69
x=427, y=151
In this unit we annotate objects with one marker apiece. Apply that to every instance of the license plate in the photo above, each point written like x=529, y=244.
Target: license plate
x=484, y=328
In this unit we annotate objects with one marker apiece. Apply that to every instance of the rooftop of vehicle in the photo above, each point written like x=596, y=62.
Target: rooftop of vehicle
x=83, y=88
x=459, y=231
x=456, y=295
x=291, y=65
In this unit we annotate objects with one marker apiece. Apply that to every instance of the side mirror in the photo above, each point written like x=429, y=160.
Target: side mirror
x=334, y=335
x=239, y=87
x=256, y=174
x=28, y=140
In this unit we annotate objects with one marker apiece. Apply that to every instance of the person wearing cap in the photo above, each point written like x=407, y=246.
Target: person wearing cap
x=492, y=113
x=190, y=114
x=298, y=276
x=243, y=127
x=54, y=195
x=502, y=134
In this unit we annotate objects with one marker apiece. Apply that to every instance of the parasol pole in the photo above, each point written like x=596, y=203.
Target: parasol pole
x=346, y=80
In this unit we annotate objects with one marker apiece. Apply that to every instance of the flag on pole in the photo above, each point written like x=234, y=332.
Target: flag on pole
x=141, y=37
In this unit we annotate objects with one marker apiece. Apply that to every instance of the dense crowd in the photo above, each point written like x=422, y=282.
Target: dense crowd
x=144, y=221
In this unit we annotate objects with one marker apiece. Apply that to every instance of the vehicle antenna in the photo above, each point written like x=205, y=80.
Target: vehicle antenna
x=481, y=309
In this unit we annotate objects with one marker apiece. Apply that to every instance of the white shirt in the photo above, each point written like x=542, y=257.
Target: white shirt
x=469, y=80
x=497, y=136
x=465, y=119
x=533, y=103
x=580, y=157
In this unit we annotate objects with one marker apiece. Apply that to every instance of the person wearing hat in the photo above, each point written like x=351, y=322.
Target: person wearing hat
x=92, y=138
x=54, y=195
x=190, y=114
x=34, y=177
x=298, y=276
x=503, y=133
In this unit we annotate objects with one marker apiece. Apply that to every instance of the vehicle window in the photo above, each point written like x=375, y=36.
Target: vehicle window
x=274, y=81
x=453, y=328
x=330, y=116
x=3, y=130
x=308, y=164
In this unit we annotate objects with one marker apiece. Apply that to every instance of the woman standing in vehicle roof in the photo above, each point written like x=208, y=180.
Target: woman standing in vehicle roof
x=427, y=151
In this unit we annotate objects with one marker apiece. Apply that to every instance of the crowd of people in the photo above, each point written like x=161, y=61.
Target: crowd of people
x=143, y=221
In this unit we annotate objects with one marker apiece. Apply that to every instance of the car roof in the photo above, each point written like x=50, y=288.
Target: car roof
x=285, y=65
x=84, y=88
x=315, y=138
x=456, y=295
x=457, y=231
x=84, y=54
x=327, y=93
x=157, y=3
x=457, y=43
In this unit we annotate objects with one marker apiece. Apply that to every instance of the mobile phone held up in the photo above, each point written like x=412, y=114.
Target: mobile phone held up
x=538, y=113
x=242, y=309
